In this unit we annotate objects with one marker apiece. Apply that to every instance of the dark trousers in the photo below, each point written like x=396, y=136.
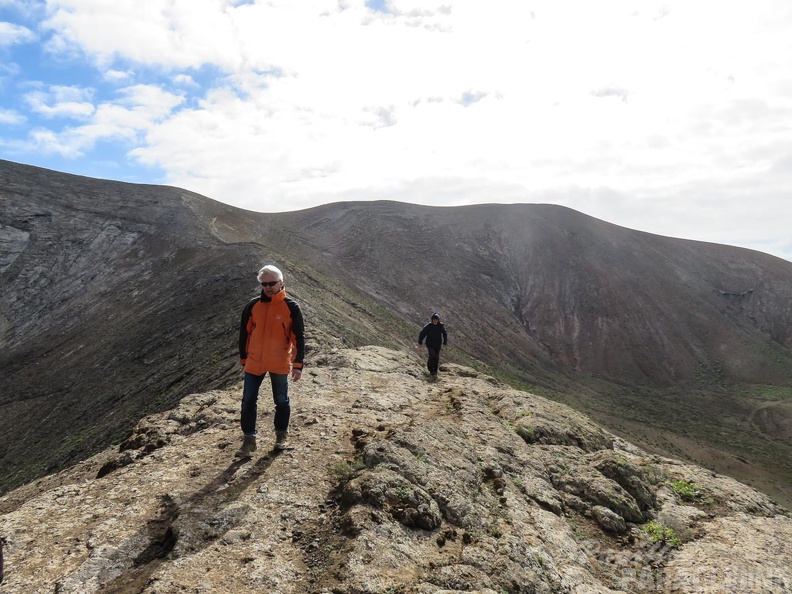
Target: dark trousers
x=280, y=395
x=434, y=360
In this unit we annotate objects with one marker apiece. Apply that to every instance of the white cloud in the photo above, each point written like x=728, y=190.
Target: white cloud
x=179, y=33
x=61, y=101
x=118, y=76
x=12, y=34
x=11, y=117
x=50, y=143
x=137, y=109
x=150, y=100
x=185, y=80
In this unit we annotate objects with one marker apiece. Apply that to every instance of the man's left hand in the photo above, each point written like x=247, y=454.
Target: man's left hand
x=296, y=374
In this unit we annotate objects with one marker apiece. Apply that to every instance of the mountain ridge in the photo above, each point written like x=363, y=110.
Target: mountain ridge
x=119, y=299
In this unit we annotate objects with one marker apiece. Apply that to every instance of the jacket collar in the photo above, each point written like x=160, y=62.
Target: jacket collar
x=279, y=296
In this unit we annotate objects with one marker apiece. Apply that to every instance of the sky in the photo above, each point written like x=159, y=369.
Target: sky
x=671, y=116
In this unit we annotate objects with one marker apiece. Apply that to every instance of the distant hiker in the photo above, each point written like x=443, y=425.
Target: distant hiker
x=271, y=340
x=435, y=334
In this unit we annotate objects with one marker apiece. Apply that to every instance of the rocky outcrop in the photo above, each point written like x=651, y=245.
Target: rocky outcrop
x=394, y=484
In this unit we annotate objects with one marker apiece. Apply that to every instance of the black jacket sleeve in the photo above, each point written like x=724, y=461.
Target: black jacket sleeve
x=298, y=328
x=243, y=335
x=423, y=333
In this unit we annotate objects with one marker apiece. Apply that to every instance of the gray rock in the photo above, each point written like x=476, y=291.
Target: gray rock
x=609, y=520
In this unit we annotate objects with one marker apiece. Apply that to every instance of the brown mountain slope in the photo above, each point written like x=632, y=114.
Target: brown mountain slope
x=517, y=281
x=118, y=299
x=107, y=287
x=394, y=485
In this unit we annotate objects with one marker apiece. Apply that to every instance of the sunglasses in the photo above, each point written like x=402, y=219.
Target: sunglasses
x=269, y=284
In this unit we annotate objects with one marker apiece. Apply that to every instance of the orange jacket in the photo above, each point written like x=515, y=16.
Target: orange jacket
x=272, y=335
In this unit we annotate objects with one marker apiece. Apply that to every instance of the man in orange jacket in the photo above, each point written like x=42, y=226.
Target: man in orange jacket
x=271, y=340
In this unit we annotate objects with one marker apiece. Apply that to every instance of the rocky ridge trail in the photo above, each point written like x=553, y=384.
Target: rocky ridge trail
x=394, y=484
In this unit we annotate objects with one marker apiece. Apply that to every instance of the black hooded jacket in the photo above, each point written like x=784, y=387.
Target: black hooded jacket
x=435, y=335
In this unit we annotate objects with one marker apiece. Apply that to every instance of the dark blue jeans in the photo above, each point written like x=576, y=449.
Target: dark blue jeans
x=280, y=395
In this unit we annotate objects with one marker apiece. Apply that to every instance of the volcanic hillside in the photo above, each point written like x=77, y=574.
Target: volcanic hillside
x=119, y=299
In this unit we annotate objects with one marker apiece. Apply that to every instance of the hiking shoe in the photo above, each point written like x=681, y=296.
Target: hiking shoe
x=281, y=440
x=248, y=447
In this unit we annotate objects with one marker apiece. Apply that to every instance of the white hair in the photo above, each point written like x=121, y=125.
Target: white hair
x=270, y=269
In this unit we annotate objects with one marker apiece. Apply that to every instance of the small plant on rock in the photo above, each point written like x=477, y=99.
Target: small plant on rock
x=403, y=493
x=344, y=471
x=659, y=533
x=686, y=490
x=527, y=433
